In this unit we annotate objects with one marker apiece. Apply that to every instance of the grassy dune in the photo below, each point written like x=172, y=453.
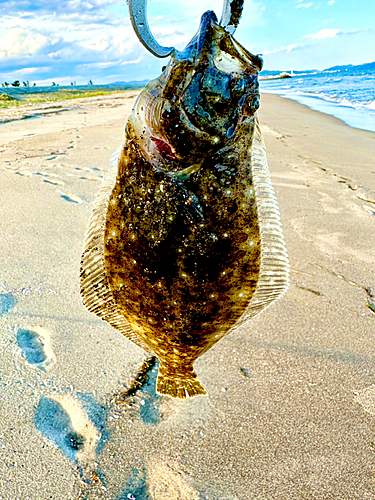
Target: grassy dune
x=60, y=95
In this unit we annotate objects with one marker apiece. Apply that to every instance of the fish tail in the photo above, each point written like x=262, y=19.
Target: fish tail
x=179, y=386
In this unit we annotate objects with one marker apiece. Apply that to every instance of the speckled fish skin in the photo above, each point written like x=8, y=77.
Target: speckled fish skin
x=176, y=252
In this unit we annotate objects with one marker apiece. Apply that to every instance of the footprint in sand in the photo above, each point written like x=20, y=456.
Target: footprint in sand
x=75, y=425
x=36, y=347
x=135, y=487
x=366, y=398
x=91, y=178
x=54, y=182
x=159, y=481
x=70, y=197
x=7, y=302
x=167, y=482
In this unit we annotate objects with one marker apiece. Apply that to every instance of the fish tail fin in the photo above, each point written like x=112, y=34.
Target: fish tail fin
x=179, y=386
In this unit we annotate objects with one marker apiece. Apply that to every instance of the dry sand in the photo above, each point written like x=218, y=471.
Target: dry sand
x=291, y=407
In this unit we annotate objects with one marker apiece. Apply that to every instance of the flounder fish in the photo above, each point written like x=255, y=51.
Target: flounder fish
x=185, y=243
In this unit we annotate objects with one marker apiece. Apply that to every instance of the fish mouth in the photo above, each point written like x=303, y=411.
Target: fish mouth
x=201, y=98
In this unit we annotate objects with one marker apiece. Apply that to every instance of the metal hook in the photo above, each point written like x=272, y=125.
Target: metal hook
x=230, y=18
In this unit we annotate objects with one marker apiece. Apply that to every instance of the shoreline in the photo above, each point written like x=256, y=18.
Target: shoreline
x=354, y=117
x=291, y=397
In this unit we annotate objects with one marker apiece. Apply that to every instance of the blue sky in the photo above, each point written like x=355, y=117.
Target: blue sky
x=78, y=40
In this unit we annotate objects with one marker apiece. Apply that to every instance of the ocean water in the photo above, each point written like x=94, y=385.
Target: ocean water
x=347, y=94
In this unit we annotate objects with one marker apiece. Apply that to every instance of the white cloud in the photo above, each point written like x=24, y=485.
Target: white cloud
x=305, y=5
x=324, y=33
x=19, y=42
x=289, y=48
x=98, y=65
x=331, y=2
x=99, y=43
x=330, y=33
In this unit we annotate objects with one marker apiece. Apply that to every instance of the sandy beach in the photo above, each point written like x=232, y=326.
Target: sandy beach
x=290, y=411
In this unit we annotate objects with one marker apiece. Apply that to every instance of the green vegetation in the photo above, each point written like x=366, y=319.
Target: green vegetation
x=6, y=97
x=59, y=95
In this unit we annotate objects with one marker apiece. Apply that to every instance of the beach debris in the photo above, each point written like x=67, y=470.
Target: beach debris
x=140, y=379
x=371, y=295
x=185, y=242
x=141, y=393
x=368, y=290
x=245, y=372
x=304, y=274
x=36, y=347
x=315, y=292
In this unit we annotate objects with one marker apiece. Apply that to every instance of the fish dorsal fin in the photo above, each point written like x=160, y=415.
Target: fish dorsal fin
x=273, y=281
x=95, y=289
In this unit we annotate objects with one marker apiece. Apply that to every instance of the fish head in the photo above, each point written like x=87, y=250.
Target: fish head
x=206, y=91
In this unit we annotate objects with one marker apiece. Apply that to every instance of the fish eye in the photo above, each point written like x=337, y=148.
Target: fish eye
x=251, y=106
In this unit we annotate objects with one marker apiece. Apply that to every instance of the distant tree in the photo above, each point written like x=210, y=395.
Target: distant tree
x=53, y=84
x=90, y=82
x=34, y=84
x=16, y=83
x=5, y=84
x=26, y=84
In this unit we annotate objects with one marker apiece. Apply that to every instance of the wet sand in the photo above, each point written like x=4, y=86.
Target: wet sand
x=290, y=410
